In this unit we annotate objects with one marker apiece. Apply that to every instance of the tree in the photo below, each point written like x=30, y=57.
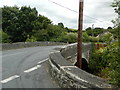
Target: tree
x=89, y=28
x=0, y=18
x=27, y=17
x=10, y=21
x=116, y=6
x=54, y=31
x=94, y=32
x=89, y=31
x=24, y=24
x=4, y=37
x=61, y=25
x=68, y=38
x=109, y=28
x=41, y=22
x=107, y=38
x=19, y=23
x=85, y=37
x=41, y=35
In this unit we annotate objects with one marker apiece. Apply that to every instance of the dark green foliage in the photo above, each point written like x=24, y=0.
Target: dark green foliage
x=61, y=25
x=105, y=62
x=85, y=37
x=72, y=30
x=4, y=37
x=24, y=24
x=94, y=32
x=89, y=28
x=68, y=38
x=41, y=35
x=109, y=28
x=31, y=39
x=51, y=33
x=19, y=23
x=94, y=60
x=55, y=31
x=116, y=5
x=9, y=22
x=0, y=18
x=115, y=32
x=41, y=22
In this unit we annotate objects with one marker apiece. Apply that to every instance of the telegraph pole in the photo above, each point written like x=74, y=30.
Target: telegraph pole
x=92, y=30
x=80, y=26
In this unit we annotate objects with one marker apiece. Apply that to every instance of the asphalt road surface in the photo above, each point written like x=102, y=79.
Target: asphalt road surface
x=27, y=68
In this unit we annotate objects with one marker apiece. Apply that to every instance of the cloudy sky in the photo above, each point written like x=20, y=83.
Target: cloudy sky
x=97, y=12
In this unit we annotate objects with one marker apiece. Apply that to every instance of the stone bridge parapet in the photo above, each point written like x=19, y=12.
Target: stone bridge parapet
x=67, y=75
x=8, y=46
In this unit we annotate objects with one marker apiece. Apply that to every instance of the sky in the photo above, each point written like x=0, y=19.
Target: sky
x=96, y=12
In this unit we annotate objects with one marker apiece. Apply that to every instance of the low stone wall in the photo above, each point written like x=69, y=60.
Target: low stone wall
x=69, y=76
x=8, y=46
x=69, y=52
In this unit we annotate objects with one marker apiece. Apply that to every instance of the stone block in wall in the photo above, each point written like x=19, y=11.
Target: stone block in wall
x=59, y=60
x=84, y=79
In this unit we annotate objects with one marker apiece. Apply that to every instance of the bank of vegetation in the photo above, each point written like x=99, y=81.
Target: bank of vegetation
x=105, y=61
x=24, y=24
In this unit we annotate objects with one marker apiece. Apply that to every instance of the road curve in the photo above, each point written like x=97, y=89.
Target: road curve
x=27, y=68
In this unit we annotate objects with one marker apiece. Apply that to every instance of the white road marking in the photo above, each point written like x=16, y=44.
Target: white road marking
x=26, y=71
x=32, y=69
x=36, y=67
x=43, y=61
x=9, y=79
x=12, y=54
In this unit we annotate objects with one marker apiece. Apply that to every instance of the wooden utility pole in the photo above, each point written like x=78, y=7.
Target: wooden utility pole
x=92, y=30
x=80, y=26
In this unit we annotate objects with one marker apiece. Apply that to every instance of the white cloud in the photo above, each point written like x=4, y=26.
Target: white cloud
x=98, y=9
x=7, y=2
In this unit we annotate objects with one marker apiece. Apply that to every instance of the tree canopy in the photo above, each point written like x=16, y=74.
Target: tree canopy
x=19, y=23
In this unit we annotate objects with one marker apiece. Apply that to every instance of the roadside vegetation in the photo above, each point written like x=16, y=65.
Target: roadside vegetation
x=24, y=24
x=105, y=61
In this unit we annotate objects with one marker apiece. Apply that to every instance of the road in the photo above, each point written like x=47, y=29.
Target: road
x=27, y=68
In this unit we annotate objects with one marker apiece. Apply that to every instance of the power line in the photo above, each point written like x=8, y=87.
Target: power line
x=77, y=12
x=63, y=6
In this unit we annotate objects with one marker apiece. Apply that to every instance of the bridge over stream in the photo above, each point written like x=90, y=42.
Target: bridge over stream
x=46, y=67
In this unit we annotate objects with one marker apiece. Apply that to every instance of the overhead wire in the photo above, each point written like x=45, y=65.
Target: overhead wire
x=77, y=12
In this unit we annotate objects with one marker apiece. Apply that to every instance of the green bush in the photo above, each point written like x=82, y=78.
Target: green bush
x=105, y=62
x=4, y=37
x=42, y=35
x=70, y=38
x=93, y=39
x=85, y=37
x=31, y=39
x=107, y=38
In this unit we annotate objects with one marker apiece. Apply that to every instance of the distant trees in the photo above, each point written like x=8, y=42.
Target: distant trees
x=61, y=25
x=109, y=28
x=94, y=32
x=116, y=6
x=18, y=22
x=24, y=23
x=116, y=22
x=51, y=33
